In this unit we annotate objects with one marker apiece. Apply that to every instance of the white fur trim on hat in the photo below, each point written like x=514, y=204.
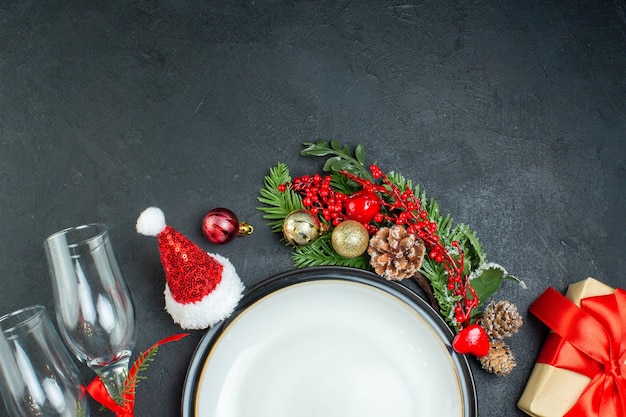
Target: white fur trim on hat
x=151, y=222
x=215, y=307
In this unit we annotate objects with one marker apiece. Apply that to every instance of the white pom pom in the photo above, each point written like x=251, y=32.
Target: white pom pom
x=151, y=222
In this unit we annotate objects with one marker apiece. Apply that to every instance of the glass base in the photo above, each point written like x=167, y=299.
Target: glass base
x=113, y=374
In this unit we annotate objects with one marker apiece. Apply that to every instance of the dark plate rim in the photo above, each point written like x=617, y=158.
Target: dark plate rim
x=320, y=273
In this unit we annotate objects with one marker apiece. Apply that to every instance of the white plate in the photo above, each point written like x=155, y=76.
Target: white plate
x=331, y=342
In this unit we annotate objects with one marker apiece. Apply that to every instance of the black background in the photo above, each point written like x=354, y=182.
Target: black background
x=511, y=114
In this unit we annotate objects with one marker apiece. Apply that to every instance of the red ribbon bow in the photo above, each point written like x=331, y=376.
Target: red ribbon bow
x=98, y=391
x=590, y=340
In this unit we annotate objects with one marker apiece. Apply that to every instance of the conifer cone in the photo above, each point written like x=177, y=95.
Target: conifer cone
x=501, y=320
x=500, y=360
x=395, y=253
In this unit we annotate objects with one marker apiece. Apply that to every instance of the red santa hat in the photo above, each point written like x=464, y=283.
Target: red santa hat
x=201, y=288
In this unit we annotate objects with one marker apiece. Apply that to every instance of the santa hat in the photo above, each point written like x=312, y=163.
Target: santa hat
x=201, y=288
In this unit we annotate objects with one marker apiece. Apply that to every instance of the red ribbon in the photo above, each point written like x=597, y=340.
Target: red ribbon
x=98, y=391
x=590, y=340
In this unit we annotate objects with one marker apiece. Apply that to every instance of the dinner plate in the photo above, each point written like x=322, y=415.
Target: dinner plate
x=329, y=342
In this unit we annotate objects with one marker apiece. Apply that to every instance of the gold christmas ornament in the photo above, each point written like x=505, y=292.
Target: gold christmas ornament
x=301, y=227
x=350, y=239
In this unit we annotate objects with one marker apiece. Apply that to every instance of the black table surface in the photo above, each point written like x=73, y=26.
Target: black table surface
x=511, y=114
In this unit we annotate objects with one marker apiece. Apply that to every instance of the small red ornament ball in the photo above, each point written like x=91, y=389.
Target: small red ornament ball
x=221, y=225
x=362, y=207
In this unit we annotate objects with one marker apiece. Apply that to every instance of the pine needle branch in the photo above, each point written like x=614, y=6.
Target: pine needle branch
x=140, y=365
x=278, y=204
x=320, y=252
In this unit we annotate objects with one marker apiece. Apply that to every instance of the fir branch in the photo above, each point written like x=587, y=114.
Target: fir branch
x=320, y=252
x=474, y=255
x=444, y=223
x=278, y=204
x=343, y=184
x=436, y=274
x=140, y=365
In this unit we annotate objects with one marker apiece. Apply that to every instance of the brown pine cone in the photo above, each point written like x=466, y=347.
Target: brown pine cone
x=500, y=360
x=395, y=253
x=501, y=320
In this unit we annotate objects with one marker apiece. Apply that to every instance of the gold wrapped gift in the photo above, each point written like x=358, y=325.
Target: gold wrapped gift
x=551, y=391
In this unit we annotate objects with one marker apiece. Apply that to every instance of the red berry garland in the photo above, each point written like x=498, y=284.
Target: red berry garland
x=406, y=209
x=319, y=197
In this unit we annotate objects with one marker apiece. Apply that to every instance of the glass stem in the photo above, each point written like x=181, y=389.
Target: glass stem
x=113, y=375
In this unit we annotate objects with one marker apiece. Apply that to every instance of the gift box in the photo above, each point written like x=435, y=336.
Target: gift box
x=579, y=369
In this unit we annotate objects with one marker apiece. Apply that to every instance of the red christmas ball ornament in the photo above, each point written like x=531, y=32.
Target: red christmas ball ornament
x=472, y=339
x=362, y=206
x=221, y=225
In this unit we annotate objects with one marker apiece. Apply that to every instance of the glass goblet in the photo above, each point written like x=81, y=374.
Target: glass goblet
x=37, y=374
x=94, y=308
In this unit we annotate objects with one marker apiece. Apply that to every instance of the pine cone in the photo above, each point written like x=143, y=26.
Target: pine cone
x=500, y=360
x=395, y=253
x=501, y=320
